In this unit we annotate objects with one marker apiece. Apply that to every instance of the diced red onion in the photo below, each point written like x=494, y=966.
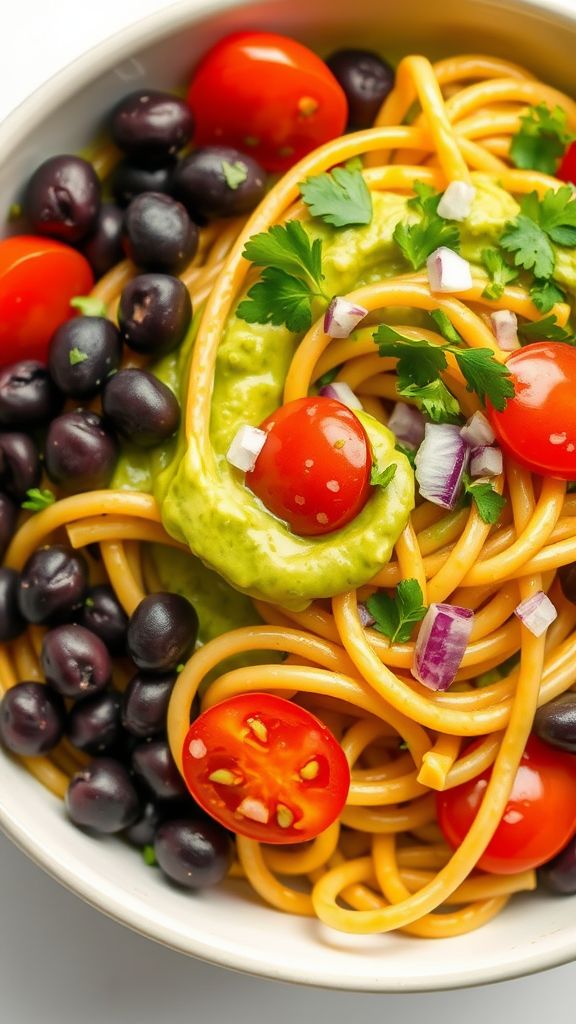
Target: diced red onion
x=448, y=272
x=342, y=393
x=366, y=618
x=477, y=431
x=440, y=464
x=486, y=460
x=342, y=317
x=441, y=645
x=536, y=613
x=457, y=200
x=505, y=326
x=407, y=423
x=245, y=448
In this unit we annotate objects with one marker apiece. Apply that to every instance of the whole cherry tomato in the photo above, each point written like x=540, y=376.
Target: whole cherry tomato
x=567, y=169
x=540, y=817
x=266, y=768
x=267, y=95
x=38, y=277
x=314, y=468
x=538, y=425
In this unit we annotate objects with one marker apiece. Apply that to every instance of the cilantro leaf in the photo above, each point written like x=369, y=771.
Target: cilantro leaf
x=234, y=173
x=484, y=375
x=418, y=241
x=37, y=499
x=88, y=305
x=287, y=247
x=76, y=355
x=499, y=272
x=541, y=139
x=530, y=245
x=425, y=200
x=557, y=215
x=382, y=477
x=340, y=198
x=410, y=453
x=395, y=617
x=327, y=377
x=419, y=362
x=446, y=327
x=547, y=329
x=278, y=298
x=545, y=295
x=355, y=163
x=435, y=400
x=489, y=503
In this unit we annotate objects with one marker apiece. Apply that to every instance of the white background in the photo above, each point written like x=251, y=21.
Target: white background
x=61, y=961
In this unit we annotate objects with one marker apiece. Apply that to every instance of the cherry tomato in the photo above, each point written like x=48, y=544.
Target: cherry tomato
x=266, y=768
x=567, y=169
x=540, y=817
x=267, y=95
x=314, y=468
x=538, y=425
x=38, y=277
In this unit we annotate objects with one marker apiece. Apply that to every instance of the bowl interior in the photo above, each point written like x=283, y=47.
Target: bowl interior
x=228, y=925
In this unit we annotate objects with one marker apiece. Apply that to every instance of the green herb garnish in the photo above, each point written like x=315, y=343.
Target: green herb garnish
x=88, y=305
x=382, y=477
x=488, y=502
x=541, y=139
x=76, y=356
x=396, y=616
x=547, y=329
x=234, y=173
x=499, y=272
x=418, y=241
x=340, y=198
x=38, y=499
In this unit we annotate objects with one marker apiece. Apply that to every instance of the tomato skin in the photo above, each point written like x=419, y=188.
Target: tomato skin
x=314, y=469
x=567, y=169
x=38, y=277
x=540, y=817
x=264, y=741
x=538, y=425
x=268, y=96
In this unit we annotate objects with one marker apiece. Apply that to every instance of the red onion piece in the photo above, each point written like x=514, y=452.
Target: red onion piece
x=408, y=424
x=448, y=272
x=245, y=447
x=457, y=200
x=441, y=645
x=536, y=613
x=477, y=431
x=342, y=317
x=505, y=326
x=342, y=393
x=440, y=464
x=486, y=460
x=366, y=618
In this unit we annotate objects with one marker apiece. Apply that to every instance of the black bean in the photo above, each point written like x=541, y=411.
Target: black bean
x=162, y=632
x=140, y=407
x=218, y=181
x=20, y=468
x=102, y=797
x=151, y=123
x=81, y=451
x=63, y=198
x=155, y=313
x=366, y=79
x=103, y=246
x=129, y=179
x=555, y=722
x=8, y=520
x=12, y=623
x=158, y=233
x=94, y=724
x=103, y=614
x=53, y=583
x=75, y=661
x=559, y=874
x=153, y=762
x=31, y=719
x=83, y=352
x=145, y=703
x=194, y=853
x=28, y=396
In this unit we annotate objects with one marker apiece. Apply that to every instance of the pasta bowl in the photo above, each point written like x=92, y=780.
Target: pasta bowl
x=227, y=925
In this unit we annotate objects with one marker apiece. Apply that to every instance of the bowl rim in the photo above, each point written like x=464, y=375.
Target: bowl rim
x=14, y=128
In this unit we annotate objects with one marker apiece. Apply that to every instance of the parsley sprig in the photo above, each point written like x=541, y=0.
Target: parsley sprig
x=340, y=198
x=396, y=616
x=541, y=140
x=291, y=280
x=418, y=241
x=420, y=364
x=37, y=499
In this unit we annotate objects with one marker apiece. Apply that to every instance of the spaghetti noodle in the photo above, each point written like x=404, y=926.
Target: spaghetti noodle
x=385, y=865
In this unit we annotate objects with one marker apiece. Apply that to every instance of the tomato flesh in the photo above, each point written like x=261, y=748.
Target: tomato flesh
x=538, y=425
x=266, y=95
x=540, y=817
x=314, y=468
x=38, y=277
x=266, y=768
x=567, y=169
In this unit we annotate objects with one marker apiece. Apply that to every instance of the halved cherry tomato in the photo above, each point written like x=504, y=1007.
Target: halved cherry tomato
x=567, y=169
x=540, y=817
x=538, y=425
x=266, y=768
x=314, y=468
x=38, y=277
x=267, y=95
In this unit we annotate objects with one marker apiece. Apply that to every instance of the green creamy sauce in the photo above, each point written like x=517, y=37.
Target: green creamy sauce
x=205, y=503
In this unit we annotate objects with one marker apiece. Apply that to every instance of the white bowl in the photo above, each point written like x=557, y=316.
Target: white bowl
x=229, y=926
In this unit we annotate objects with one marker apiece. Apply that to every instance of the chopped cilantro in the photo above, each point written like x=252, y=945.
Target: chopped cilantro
x=396, y=617
x=88, y=305
x=382, y=477
x=37, y=499
x=530, y=246
x=485, y=375
x=149, y=856
x=446, y=327
x=340, y=198
x=547, y=329
x=545, y=295
x=76, y=356
x=410, y=453
x=499, y=272
x=418, y=241
x=327, y=377
x=234, y=173
x=488, y=502
x=541, y=139
x=435, y=401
